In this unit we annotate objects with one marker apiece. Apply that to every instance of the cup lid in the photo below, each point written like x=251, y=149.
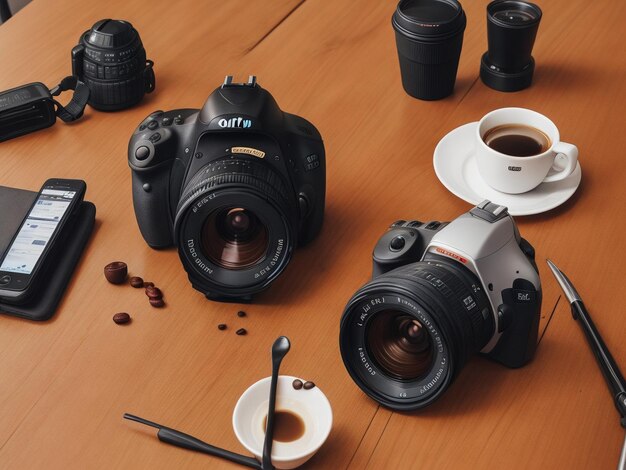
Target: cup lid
x=428, y=18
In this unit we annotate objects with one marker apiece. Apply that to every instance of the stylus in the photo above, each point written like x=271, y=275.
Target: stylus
x=180, y=439
x=608, y=366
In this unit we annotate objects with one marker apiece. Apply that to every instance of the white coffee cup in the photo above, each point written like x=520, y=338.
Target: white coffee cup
x=514, y=175
x=311, y=406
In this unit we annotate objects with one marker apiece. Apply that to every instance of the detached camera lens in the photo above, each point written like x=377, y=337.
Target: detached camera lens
x=511, y=31
x=429, y=38
x=111, y=60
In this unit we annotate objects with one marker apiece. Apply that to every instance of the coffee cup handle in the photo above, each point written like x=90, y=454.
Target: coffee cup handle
x=567, y=152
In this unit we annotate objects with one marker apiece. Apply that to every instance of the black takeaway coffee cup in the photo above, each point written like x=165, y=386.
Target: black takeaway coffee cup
x=429, y=36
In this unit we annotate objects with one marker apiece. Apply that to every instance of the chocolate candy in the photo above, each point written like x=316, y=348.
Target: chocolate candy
x=297, y=384
x=222, y=326
x=121, y=318
x=308, y=385
x=241, y=314
x=136, y=282
x=241, y=332
x=154, y=292
x=158, y=302
x=116, y=272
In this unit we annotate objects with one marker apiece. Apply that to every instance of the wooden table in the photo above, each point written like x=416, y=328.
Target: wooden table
x=65, y=384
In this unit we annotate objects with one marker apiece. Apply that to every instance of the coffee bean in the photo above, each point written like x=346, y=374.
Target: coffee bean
x=116, y=272
x=148, y=284
x=241, y=314
x=136, y=282
x=297, y=384
x=308, y=385
x=154, y=292
x=241, y=331
x=121, y=318
x=158, y=303
x=222, y=326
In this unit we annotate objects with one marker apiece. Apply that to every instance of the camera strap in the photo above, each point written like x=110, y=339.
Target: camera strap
x=75, y=108
x=149, y=78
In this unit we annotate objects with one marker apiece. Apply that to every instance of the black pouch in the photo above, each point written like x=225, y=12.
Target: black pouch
x=59, y=268
x=31, y=107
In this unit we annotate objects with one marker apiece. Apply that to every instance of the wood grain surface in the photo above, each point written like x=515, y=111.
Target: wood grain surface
x=65, y=384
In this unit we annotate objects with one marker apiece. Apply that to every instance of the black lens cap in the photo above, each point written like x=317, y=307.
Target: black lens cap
x=430, y=18
x=109, y=34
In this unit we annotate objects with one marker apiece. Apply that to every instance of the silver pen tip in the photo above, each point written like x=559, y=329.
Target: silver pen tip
x=568, y=288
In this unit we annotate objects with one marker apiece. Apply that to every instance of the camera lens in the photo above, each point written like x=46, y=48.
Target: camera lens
x=406, y=335
x=429, y=38
x=111, y=60
x=234, y=238
x=512, y=27
x=235, y=227
x=400, y=345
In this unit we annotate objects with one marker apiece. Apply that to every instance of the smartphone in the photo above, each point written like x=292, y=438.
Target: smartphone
x=34, y=241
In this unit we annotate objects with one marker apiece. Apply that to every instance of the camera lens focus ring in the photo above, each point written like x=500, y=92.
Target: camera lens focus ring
x=243, y=174
x=466, y=305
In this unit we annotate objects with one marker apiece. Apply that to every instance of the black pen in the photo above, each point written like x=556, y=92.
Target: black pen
x=180, y=439
x=608, y=366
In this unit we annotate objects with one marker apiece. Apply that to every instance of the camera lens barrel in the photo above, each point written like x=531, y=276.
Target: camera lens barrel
x=429, y=37
x=111, y=61
x=234, y=227
x=445, y=301
x=512, y=27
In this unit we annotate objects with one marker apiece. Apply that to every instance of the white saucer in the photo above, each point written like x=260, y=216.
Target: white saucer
x=457, y=170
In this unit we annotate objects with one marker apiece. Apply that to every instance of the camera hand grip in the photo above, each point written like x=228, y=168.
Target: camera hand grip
x=151, y=199
x=519, y=323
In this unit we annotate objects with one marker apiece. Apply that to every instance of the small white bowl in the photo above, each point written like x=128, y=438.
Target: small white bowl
x=311, y=405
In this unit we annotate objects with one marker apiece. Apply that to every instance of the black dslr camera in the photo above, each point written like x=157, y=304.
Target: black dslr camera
x=235, y=185
x=441, y=292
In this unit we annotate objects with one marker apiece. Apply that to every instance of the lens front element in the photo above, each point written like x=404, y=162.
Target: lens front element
x=514, y=16
x=234, y=238
x=400, y=345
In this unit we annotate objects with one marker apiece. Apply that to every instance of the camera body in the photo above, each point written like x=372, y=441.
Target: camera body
x=241, y=151
x=441, y=292
x=487, y=242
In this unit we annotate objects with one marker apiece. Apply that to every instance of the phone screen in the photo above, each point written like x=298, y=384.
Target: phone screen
x=37, y=230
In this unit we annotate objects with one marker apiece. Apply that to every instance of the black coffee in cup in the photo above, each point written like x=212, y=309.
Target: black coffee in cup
x=288, y=426
x=429, y=37
x=517, y=140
